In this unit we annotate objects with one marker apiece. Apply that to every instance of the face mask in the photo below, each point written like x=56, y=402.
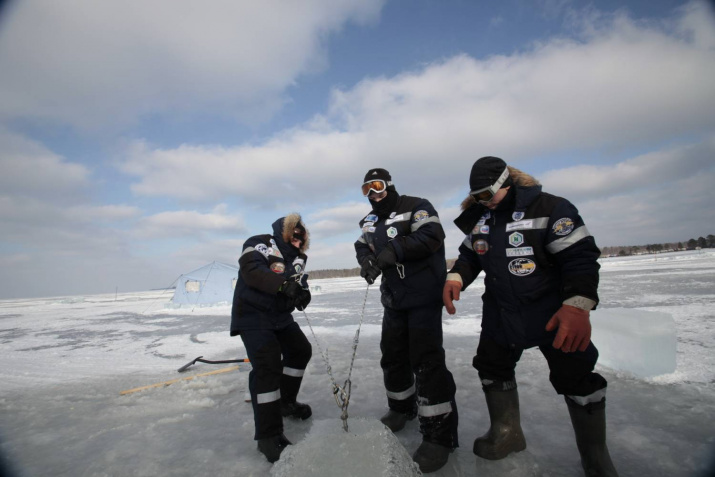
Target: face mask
x=386, y=205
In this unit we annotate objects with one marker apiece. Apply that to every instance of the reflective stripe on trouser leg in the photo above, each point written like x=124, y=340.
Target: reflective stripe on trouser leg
x=296, y=351
x=592, y=398
x=572, y=375
x=437, y=407
x=264, y=381
x=395, y=362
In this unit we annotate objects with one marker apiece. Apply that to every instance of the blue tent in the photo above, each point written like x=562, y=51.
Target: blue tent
x=209, y=285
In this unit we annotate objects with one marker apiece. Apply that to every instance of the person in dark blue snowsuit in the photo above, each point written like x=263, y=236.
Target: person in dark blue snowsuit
x=402, y=239
x=541, y=282
x=271, y=283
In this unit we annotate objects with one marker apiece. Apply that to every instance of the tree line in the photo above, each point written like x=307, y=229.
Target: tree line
x=615, y=251
x=691, y=244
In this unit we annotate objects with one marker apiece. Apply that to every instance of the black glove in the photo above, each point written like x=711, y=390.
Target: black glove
x=387, y=258
x=291, y=289
x=369, y=270
x=303, y=300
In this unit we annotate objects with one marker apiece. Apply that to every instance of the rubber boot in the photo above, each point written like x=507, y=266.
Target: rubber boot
x=505, y=435
x=271, y=447
x=589, y=425
x=396, y=420
x=296, y=409
x=431, y=457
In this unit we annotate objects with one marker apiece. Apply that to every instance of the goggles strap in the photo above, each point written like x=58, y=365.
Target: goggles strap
x=496, y=186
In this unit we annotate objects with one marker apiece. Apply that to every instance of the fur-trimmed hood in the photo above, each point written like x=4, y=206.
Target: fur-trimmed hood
x=287, y=224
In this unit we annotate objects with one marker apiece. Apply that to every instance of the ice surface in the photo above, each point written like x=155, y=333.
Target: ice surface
x=368, y=449
x=636, y=341
x=65, y=360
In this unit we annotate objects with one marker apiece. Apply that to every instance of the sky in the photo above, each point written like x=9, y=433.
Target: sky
x=142, y=140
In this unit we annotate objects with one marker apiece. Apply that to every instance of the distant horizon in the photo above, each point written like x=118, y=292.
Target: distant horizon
x=173, y=286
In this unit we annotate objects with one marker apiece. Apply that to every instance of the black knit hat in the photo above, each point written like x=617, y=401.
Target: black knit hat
x=380, y=174
x=486, y=171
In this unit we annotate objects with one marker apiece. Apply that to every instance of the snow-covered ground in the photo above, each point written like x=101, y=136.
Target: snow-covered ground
x=65, y=361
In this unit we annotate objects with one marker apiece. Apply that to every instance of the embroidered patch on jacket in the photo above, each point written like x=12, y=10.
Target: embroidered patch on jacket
x=395, y=218
x=519, y=252
x=516, y=239
x=563, y=226
x=371, y=218
x=522, y=267
x=420, y=215
x=278, y=267
x=484, y=218
x=521, y=225
x=483, y=229
x=262, y=249
x=481, y=246
x=517, y=216
x=392, y=232
x=273, y=250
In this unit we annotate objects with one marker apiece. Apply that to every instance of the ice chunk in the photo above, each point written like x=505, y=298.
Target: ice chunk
x=636, y=341
x=369, y=449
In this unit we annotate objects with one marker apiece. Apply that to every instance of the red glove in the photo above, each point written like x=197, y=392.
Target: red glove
x=574, y=329
x=451, y=292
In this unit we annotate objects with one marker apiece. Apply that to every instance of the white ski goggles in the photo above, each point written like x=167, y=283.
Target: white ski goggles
x=485, y=194
x=376, y=185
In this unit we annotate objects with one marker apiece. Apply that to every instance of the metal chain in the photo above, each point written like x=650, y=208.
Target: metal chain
x=341, y=394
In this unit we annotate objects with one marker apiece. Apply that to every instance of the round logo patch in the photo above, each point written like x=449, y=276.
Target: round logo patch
x=481, y=247
x=522, y=266
x=420, y=215
x=563, y=226
x=278, y=267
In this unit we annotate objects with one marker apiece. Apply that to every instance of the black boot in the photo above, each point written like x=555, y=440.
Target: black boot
x=589, y=425
x=396, y=420
x=505, y=435
x=431, y=457
x=296, y=409
x=271, y=447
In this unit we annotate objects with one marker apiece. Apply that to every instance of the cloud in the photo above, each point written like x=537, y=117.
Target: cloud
x=675, y=212
x=337, y=220
x=103, y=64
x=189, y=223
x=31, y=170
x=650, y=171
x=620, y=85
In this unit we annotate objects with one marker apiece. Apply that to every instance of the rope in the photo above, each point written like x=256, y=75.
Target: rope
x=341, y=394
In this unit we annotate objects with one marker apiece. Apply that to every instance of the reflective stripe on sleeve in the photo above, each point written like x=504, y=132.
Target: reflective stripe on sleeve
x=467, y=242
x=361, y=240
x=429, y=220
x=402, y=395
x=270, y=396
x=435, y=410
x=563, y=243
x=296, y=373
x=598, y=396
x=248, y=250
